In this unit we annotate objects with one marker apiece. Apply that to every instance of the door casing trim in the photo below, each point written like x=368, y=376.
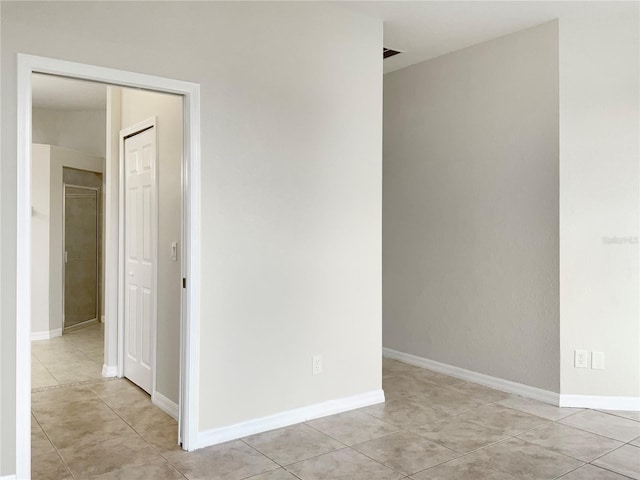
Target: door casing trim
x=189, y=343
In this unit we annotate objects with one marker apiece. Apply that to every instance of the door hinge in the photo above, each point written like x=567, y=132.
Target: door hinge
x=184, y=283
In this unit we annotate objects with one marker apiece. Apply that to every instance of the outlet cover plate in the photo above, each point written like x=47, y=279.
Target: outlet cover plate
x=316, y=364
x=597, y=360
x=581, y=359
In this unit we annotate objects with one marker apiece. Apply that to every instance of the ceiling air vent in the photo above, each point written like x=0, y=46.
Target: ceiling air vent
x=387, y=52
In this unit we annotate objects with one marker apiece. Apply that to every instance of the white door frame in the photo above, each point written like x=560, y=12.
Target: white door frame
x=189, y=380
x=122, y=136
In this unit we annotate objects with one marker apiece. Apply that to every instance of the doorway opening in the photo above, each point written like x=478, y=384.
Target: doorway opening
x=81, y=196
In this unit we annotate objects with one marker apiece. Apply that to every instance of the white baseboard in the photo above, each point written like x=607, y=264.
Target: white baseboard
x=475, y=377
x=164, y=404
x=8, y=477
x=109, y=370
x=46, y=335
x=291, y=417
x=601, y=402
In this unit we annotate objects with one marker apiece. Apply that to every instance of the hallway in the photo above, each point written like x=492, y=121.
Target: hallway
x=76, y=356
x=87, y=423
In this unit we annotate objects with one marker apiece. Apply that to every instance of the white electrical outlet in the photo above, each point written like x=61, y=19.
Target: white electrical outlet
x=581, y=359
x=597, y=360
x=316, y=368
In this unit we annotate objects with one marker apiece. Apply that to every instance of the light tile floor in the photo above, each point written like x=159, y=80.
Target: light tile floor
x=74, y=357
x=85, y=426
x=432, y=427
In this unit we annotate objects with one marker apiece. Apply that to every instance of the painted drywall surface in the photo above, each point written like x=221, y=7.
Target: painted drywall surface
x=599, y=196
x=40, y=218
x=138, y=105
x=82, y=130
x=291, y=185
x=470, y=211
x=111, y=189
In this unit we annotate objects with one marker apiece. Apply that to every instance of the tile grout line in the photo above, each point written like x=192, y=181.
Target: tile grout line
x=88, y=387
x=610, y=412
x=571, y=471
x=135, y=432
x=286, y=464
x=558, y=422
x=55, y=448
x=47, y=369
x=401, y=429
x=402, y=473
x=575, y=458
x=138, y=433
x=64, y=462
x=82, y=383
x=352, y=447
x=609, y=470
x=346, y=445
x=609, y=452
x=593, y=433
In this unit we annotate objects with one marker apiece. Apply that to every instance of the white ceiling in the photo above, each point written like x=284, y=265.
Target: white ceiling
x=67, y=94
x=421, y=29
x=428, y=29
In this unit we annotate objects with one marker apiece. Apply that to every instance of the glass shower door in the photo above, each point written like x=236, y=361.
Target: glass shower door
x=81, y=217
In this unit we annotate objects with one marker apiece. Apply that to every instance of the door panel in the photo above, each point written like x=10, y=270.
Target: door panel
x=140, y=252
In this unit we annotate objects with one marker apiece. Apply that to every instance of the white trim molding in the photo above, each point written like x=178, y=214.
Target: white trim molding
x=508, y=386
x=46, y=335
x=600, y=402
x=8, y=477
x=109, y=371
x=291, y=417
x=163, y=403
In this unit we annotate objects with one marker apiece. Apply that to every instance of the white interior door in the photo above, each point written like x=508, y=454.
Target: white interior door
x=140, y=234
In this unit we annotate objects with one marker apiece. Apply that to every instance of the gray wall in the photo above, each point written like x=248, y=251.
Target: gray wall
x=470, y=210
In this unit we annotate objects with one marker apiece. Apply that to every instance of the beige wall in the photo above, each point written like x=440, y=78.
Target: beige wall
x=137, y=106
x=600, y=196
x=82, y=130
x=40, y=226
x=470, y=211
x=111, y=213
x=47, y=236
x=291, y=186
